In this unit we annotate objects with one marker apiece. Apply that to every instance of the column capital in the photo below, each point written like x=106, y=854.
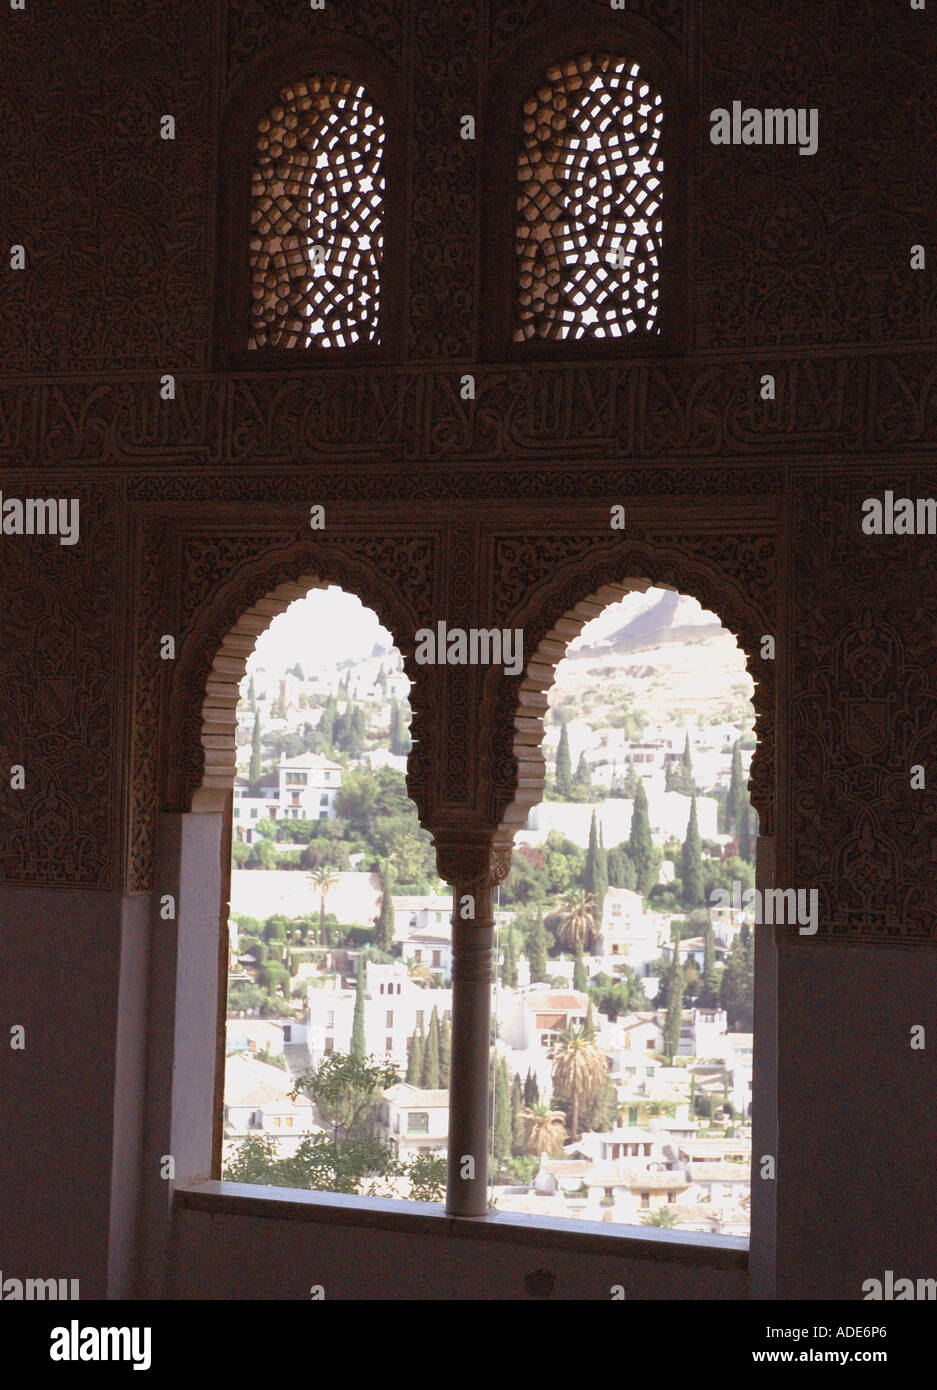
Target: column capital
x=469, y=858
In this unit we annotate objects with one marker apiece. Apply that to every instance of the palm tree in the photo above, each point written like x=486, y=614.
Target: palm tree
x=420, y=973
x=323, y=881
x=579, y=1068
x=546, y=1129
x=577, y=918
x=663, y=1217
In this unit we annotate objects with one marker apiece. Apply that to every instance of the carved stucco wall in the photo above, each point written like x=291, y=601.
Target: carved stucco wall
x=797, y=266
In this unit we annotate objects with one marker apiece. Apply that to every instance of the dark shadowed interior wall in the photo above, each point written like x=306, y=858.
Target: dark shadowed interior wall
x=492, y=511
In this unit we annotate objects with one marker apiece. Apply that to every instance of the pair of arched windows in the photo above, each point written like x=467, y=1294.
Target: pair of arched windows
x=588, y=222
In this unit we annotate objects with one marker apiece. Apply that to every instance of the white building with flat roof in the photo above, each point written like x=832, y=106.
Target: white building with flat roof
x=395, y=1008
x=413, y=1120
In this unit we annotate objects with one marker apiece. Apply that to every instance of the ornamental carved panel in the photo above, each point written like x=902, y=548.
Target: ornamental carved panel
x=59, y=687
x=864, y=710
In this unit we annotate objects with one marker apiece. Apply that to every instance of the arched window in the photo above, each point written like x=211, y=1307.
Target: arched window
x=590, y=216
x=317, y=217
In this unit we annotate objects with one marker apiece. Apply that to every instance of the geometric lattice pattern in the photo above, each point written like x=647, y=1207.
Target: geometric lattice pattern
x=589, y=226
x=317, y=218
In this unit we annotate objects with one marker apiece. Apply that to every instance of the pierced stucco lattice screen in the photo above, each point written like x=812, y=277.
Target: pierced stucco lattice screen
x=589, y=211
x=317, y=218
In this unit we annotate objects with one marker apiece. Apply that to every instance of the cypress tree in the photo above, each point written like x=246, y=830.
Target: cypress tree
x=746, y=848
x=445, y=1054
x=502, y=1111
x=592, y=854
x=431, y=1080
x=640, y=844
x=737, y=794
x=384, y=928
x=531, y=1089
x=692, y=862
x=620, y=868
x=399, y=734
x=252, y=697
x=709, y=996
x=255, y=772
x=564, y=778
x=537, y=951
x=358, y=1038
x=589, y=1028
x=415, y=1059
x=686, y=770
x=509, y=962
x=357, y=732
x=582, y=778
x=601, y=880
x=517, y=1117
x=674, y=1018
x=326, y=726
x=580, y=979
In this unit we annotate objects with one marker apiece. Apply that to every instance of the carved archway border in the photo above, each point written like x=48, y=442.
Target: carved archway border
x=391, y=575
x=577, y=592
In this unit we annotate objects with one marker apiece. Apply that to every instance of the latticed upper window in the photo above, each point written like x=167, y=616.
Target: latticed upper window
x=317, y=207
x=589, y=226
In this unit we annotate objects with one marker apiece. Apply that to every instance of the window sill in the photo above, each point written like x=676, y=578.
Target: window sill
x=429, y=1218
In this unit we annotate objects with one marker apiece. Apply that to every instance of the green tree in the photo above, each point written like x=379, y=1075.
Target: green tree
x=431, y=1077
x=445, y=1053
x=384, y=927
x=252, y=697
x=640, y=844
x=709, y=995
x=326, y=725
x=531, y=1089
x=537, y=951
x=255, y=772
x=582, y=780
x=358, y=1039
x=737, y=990
x=357, y=732
x=580, y=978
x=674, y=1019
x=579, y=1069
x=501, y=1127
x=687, y=780
x=663, y=1217
x=738, y=792
x=345, y=1091
x=517, y=1116
x=323, y=881
x=415, y=1059
x=691, y=873
x=746, y=847
x=620, y=868
x=602, y=1112
x=509, y=961
x=564, y=778
x=399, y=733
x=577, y=919
x=545, y=1129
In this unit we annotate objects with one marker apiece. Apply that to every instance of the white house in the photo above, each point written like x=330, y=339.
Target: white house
x=302, y=788
x=415, y=1121
x=719, y=1184
x=257, y=1101
x=395, y=1008
x=307, y=787
x=630, y=934
x=537, y=1017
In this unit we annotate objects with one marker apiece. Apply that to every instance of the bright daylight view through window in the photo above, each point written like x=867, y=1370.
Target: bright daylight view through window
x=621, y=1039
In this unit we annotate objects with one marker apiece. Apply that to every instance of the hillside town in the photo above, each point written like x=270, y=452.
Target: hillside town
x=621, y=1057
